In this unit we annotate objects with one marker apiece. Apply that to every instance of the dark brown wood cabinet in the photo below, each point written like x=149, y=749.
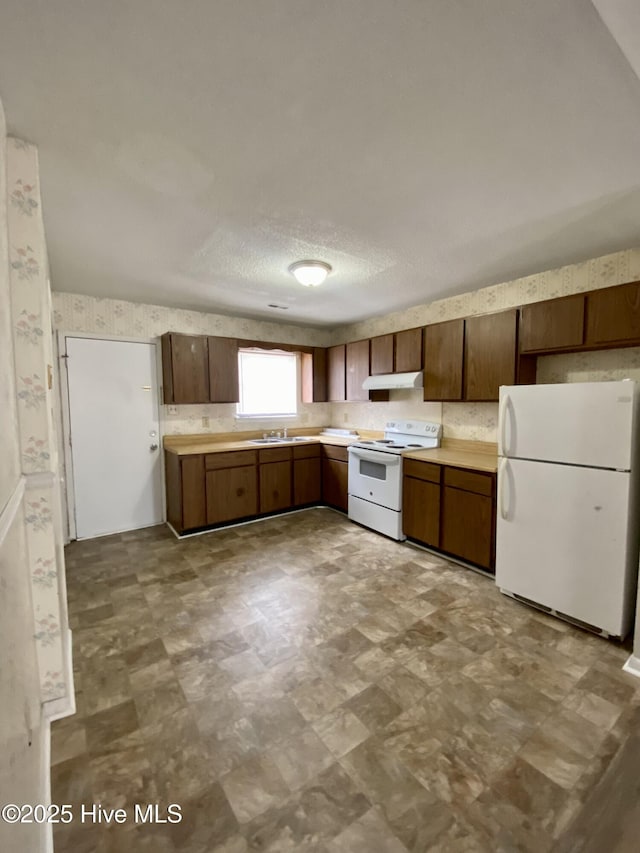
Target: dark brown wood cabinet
x=421, y=501
x=467, y=526
x=382, y=354
x=185, y=368
x=274, y=477
x=335, y=476
x=613, y=316
x=357, y=365
x=443, y=360
x=336, y=374
x=490, y=354
x=185, y=489
x=307, y=475
x=314, y=376
x=554, y=324
x=223, y=370
x=408, y=351
x=231, y=485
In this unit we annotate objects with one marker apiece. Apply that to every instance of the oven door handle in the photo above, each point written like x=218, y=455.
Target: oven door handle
x=382, y=458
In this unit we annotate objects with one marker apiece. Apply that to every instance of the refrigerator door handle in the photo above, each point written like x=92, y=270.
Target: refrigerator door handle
x=502, y=476
x=502, y=420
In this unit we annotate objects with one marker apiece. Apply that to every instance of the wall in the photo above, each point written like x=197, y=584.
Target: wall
x=110, y=317
x=24, y=731
x=32, y=344
x=480, y=420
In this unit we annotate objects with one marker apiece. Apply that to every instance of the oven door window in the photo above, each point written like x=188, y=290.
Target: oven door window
x=376, y=470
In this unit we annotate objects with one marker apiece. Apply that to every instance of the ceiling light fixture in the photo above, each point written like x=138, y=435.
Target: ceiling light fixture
x=310, y=273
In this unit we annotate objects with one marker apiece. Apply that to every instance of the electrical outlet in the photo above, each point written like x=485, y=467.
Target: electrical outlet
x=205, y=421
x=172, y=410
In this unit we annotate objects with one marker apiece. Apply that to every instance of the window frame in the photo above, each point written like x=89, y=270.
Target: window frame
x=277, y=353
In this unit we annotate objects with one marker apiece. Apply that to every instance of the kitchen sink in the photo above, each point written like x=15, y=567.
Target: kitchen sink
x=275, y=440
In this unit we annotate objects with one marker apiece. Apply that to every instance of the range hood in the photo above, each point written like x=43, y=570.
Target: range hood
x=393, y=380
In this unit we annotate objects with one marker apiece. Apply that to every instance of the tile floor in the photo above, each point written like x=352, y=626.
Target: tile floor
x=303, y=684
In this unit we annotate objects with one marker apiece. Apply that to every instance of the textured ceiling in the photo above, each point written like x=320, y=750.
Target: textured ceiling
x=191, y=151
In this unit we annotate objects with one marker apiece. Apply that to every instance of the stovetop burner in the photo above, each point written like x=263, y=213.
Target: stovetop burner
x=404, y=435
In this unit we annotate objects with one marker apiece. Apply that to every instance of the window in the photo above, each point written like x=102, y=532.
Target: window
x=268, y=383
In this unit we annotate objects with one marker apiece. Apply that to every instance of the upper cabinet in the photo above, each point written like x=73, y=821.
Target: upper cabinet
x=555, y=324
x=185, y=368
x=382, y=352
x=197, y=369
x=490, y=355
x=400, y=352
x=336, y=376
x=357, y=370
x=314, y=376
x=443, y=359
x=613, y=316
x=223, y=370
x=408, y=357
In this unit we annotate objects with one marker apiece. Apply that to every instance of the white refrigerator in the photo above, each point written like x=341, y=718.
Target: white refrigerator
x=568, y=515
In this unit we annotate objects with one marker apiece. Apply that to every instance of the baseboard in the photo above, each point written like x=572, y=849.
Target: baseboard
x=632, y=666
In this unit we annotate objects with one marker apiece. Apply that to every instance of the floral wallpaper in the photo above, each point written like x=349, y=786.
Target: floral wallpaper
x=89, y=314
x=33, y=353
x=479, y=421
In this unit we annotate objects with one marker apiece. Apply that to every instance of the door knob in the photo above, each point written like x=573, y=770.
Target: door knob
x=153, y=447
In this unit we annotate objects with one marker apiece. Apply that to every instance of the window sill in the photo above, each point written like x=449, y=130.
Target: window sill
x=265, y=417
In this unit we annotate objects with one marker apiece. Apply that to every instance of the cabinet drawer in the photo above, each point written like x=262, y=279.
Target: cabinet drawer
x=274, y=454
x=470, y=481
x=233, y=459
x=306, y=451
x=332, y=451
x=422, y=470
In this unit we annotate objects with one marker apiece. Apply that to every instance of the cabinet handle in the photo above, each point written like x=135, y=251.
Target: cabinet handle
x=239, y=492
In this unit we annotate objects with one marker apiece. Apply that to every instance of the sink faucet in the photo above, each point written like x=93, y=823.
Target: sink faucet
x=284, y=432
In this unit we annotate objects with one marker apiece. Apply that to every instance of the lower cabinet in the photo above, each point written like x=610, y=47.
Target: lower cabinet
x=185, y=484
x=452, y=510
x=231, y=485
x=335, y=476
x=274, y=478
x=307, y=475
x=421, y=502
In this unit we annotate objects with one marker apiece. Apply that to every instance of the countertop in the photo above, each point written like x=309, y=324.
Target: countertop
x=477, y=455
x=186, y=445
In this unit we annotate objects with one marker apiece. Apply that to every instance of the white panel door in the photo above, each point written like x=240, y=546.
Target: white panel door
x=561, y=540
x=581, y=423
x=113, y=408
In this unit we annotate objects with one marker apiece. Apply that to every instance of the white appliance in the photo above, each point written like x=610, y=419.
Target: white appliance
x=568, y=514
x=375, y=474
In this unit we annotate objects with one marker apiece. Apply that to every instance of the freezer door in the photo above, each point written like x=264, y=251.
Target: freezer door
x=561, y=541
x=582, y=423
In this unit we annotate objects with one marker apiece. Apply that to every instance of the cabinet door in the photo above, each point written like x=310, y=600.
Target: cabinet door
x=357, y=370
x=613, y=315
x=467, y=529
x=223, y=370
x=421, y=510
x=553, y=324
x=231, y=493
x=314, y=376
x=382, y=360
x=185, y=369
x=336, y=376
x=307, y=481
x=275, y=486
x=443, y=358
x=194, y=507
x=335, y=477
x=489, y=354
x=408, y=351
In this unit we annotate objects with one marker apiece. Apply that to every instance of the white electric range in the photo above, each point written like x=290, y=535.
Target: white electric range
x=375, y=474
